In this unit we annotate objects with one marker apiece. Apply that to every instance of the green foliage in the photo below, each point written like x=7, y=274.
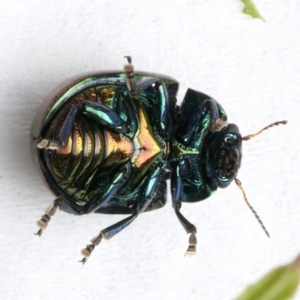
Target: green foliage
x=250, y=9
x=279, y=284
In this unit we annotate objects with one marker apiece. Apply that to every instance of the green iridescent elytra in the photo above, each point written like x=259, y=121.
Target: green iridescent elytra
x=108, y=142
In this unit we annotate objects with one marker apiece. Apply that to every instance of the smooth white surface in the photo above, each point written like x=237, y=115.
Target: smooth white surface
x=252, y=68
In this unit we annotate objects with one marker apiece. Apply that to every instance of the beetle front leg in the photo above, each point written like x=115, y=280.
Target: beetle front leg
x=218, y=118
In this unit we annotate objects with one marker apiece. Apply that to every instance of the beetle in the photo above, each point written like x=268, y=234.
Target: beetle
x=106, y=142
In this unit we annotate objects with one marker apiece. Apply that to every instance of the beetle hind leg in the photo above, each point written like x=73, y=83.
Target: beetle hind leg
x=106, y=233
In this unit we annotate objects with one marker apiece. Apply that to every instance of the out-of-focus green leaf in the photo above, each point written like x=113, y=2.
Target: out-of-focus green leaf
x=279, y=284
x=250, y=9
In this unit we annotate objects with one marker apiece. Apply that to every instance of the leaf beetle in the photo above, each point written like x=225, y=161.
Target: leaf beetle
x=106, y=142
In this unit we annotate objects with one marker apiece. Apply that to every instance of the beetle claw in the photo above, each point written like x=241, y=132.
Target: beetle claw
x=39, y=233
x=83, y=261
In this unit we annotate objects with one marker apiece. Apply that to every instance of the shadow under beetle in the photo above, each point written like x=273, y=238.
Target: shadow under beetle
x=107, y=143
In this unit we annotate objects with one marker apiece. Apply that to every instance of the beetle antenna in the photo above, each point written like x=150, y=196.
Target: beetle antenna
x=252, y=135
x=50, y=211
x=130, y=82
x=239, y=184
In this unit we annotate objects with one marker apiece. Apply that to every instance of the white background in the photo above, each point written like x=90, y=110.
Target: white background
x=252, y=68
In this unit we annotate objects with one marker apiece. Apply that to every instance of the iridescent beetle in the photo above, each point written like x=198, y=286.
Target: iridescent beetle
x=107, y=143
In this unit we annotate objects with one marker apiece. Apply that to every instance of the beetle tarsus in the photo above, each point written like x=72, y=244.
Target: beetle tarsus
x=192, y=245
x=42, y=223
x=47, y=144
x=219, y=124
x=87, y=251
x=191, y=251
x=130, y=82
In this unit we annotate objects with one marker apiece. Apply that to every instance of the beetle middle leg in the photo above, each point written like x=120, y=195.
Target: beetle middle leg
x=146, y=196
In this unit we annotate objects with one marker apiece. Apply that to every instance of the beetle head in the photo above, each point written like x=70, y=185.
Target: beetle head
x=223, y=155
x=223, y=159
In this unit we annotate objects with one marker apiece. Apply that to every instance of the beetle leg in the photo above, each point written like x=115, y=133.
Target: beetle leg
x=48, y=144
x=149, y=190
x=50, y=211
x=144, y=201
x=130, y=82
x=106, y=233
x=105, y=116
x=192, y=125
x=97, y=111
x=217, y=120
x=143, y=85
x=161, y=106
x=135, y=89
x=126, y=108
x=189, y=227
